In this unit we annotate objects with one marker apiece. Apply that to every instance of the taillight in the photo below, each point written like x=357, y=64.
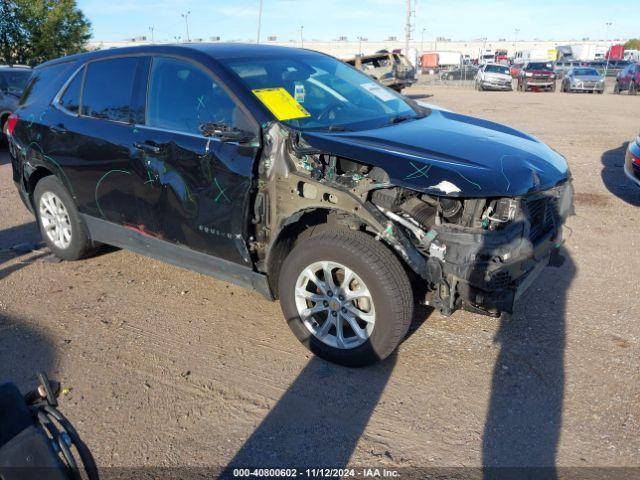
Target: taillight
x=12, y=121
x=635, y=160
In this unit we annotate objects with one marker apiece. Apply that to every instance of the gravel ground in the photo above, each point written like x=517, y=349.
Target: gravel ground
x=167, y=367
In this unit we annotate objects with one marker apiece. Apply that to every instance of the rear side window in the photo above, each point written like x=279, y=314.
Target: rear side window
x=108, y=88
x=45, y=82
x=182, y=97
x=70, y=99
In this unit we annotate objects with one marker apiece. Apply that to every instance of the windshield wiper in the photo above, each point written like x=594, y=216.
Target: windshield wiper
x=338, y=128
x=404, y=118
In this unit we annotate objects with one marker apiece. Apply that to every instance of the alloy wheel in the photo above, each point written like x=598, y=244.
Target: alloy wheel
x=55, y=220
x=335, y=305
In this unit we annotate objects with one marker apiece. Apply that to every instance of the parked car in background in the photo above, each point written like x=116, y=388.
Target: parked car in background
x=583, y=79
x=628, y=79
x=538, y=76
x=561, y=67
x=610, y=68
x=492, y=76
x=12, y=83
x=632, y=161
x=466, y=72
x=286, y=171
x=392, y=70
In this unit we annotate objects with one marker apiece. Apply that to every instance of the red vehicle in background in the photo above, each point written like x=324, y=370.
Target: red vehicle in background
x=537, y=76
x=500, y=57
x=615, y=52
x=429, y=61
x=628, y=79
x=515, y=70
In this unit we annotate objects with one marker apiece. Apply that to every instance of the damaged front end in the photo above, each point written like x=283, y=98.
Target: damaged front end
x=478, y=254
x=482, y=253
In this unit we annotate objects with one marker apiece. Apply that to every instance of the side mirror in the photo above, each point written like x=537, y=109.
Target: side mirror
x=226, y=133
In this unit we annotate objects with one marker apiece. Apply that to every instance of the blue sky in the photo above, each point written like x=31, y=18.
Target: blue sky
x=374, y=19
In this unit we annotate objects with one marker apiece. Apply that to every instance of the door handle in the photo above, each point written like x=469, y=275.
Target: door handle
x=147, y=147
x=59, y=128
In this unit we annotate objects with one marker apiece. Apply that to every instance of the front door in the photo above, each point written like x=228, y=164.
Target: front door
x=194, y=189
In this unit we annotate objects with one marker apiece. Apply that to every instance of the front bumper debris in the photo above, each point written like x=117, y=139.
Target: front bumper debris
x=486, y=271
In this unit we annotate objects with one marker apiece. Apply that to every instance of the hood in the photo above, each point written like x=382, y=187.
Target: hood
x=447, y=153
x=586, y=78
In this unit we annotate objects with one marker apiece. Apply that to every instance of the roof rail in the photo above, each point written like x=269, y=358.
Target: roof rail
x=15, y=66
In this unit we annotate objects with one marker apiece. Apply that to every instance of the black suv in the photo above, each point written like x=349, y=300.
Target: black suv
x=291, y=173
x=12, y=82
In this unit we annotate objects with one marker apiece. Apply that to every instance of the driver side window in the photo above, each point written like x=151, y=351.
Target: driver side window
x=182, y=97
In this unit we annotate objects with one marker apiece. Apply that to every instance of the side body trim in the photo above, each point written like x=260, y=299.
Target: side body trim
x=130, y=239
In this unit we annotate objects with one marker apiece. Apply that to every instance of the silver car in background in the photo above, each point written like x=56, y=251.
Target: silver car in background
x=583, y=79
x=492, y=76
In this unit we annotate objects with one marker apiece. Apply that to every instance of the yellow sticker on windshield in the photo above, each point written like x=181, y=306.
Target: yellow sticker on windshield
x=281, y=103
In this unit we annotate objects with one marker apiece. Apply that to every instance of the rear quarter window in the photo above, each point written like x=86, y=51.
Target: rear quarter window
x=108, y=89
x=45, y=83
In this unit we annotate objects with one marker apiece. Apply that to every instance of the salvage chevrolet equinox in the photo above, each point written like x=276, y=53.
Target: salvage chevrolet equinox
x=291, y=173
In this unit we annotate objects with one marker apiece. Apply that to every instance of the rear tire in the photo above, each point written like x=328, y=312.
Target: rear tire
x=633, y=88
x=59, y=222
x=383, y=315
x=616, y=88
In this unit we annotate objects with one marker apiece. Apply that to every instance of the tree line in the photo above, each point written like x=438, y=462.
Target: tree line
x=34, y=31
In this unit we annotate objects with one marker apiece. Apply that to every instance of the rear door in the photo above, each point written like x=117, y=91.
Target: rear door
x=91, y=133
x=195, y=188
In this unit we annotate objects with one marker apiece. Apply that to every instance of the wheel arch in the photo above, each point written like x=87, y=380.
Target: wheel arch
x=301, y=224
x=307, y=222
x=33, y=178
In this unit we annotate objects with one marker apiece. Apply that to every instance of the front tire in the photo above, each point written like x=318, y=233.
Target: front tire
x=60, y=224
x=633, y=88
x=346, y=297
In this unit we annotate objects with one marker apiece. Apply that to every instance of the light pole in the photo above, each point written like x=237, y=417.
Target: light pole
x=301, y=37
x=422, y=40
x=515, y=41
x=606, y=67
x=407, y=31
x=151, y=30
x=177, y=38
x=359, y=45
x=186, y=22
x=259, y=20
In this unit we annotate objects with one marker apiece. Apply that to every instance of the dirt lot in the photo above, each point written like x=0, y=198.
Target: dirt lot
x=168, y=367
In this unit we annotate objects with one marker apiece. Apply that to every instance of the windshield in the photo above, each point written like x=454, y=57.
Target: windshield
x=586, y=71
x=539, y=66
x=334, y=95
x=14, y=81
x=497, y=69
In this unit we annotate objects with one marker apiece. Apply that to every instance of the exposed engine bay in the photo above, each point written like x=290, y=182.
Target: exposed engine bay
x=478, y=254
